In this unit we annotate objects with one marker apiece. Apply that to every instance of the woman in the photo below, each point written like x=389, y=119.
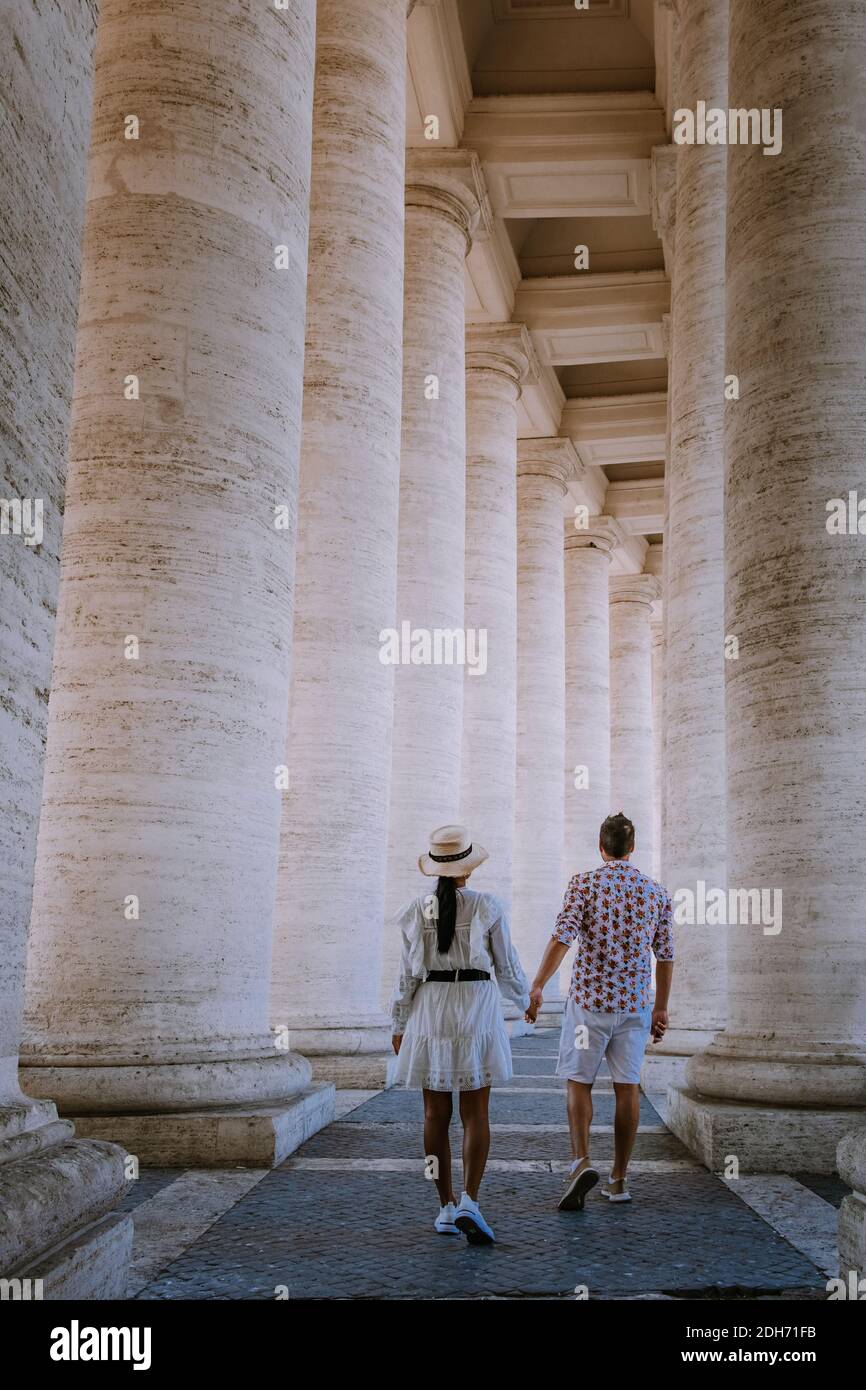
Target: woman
x=447, y=1017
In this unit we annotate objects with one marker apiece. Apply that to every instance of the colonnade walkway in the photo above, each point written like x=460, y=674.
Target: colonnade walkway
x=349, y=1215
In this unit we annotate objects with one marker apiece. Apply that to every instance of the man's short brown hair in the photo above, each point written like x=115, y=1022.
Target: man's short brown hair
x=616, y=836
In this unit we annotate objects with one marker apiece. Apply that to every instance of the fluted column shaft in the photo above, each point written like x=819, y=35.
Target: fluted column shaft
x=544, y=469
x=497, y=359
x=587, y=689
x=694, y=660
x=153, y=903
x=441, y=213
x=331, y=883
x=795, y=593
x=631, y=723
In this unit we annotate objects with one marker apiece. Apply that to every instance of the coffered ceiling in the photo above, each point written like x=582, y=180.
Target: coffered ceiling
x=561, y=108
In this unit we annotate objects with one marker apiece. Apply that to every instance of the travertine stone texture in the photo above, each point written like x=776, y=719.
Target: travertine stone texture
x=664, y=1063
x=663, y=198
x=657, y=644
x=631, y=724
x=45, y=79
x=252, y=1136
x=93, y=1264
x=851, y=1164
x=664, y=851
x=587, y=688
x=441, y=214
x=157, y=856
x=55, y=1190
x=331, y=882
x=498, y=358
x=695, y=663
x=544, y=469
x=48, y=1199
x=796, y=697
x=764, y=1138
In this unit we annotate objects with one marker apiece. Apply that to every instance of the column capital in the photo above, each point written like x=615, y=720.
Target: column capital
x=663, y=198
x=554, y=458
x=603, y=533
x=506, y=348
x=449, y=182
x=635, y=588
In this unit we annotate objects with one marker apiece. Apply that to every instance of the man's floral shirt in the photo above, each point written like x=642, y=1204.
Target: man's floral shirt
x=618, y=916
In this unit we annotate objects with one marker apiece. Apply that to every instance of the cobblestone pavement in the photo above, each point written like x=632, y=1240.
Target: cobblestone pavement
x=350, y=1214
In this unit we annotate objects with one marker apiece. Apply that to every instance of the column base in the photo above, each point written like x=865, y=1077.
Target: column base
x=94, y=1264
x=851, y=1165
x=354, y=1072
x=352, y=1058
x=763, y=1138
x=664, y=1064
x=59, y=1226
x=766, y=1069
x=237, y=1136
x=158, y=1081
x=852, y=1237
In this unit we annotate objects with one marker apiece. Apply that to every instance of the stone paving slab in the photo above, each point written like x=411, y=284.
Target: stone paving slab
x=370, y=1236
x=146, y=1185
x=349, y=1216
x=179, y=1213
x=399, y=1141
x=494, y=1165
x=506, y=1107
x=826, y=1185
x=531, y=1066
x=793, y=1210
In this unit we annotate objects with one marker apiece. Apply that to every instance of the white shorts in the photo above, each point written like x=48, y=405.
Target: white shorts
x=587, y=1038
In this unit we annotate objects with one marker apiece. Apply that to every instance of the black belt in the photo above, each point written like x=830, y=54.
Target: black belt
x=451, y=975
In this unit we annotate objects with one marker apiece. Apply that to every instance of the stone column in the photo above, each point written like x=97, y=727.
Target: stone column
x=544, y=469
x=631, y=724
x=441, y=214
x=57, y=1193
x=775, y=1088
x=331, y=883
x=498, y=357
x=851, y=1166
x=157, y=856
x=694, y=660
x=587, y=688
x=664, y=853
x=657, y=638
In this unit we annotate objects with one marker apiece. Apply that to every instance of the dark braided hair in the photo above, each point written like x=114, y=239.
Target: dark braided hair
x=446, y=918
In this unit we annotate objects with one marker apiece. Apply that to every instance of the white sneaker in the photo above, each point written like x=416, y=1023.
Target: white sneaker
x=470, y=1221
x=622, y=1195
x=444, y=1222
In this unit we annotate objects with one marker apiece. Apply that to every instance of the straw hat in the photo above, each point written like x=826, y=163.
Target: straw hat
x=452, y=853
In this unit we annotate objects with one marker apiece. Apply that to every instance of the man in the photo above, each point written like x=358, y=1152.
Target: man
x=619, y=916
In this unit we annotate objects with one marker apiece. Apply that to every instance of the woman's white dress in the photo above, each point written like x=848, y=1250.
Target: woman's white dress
x=454, y=1037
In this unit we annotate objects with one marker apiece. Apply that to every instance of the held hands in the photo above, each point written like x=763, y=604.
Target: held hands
x=536, y=999
x=396, y=1039
x=659, y=1024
